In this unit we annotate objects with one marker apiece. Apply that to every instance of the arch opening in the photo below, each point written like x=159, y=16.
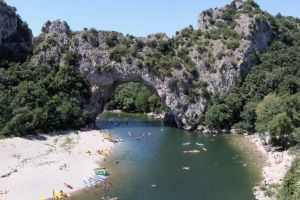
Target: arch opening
x=134, y=97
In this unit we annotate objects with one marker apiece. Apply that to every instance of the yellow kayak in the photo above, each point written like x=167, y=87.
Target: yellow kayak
x=104, y=152
x=58, y=194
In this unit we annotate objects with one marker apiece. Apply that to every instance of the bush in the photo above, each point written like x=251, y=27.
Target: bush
x=218, y=116
x=233, y=44
x=290, y=189
x=49, y=103
x=117, y=53
x=134, y=97
x=112, y=39
x=280, y=117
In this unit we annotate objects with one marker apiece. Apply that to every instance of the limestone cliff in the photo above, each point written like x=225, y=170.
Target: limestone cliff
x=185, y=71
x=15, y=36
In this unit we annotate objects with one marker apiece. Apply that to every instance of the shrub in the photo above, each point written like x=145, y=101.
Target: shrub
x=218, y=116
x=233, y=44
x=117, y=53
x=112, y=39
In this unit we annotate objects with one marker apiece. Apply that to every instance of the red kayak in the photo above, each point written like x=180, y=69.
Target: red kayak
x=68, y=186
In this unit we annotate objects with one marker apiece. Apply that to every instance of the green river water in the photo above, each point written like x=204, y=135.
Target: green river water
x=223, y=172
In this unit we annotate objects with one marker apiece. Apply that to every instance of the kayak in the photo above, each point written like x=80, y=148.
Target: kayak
x=185, y=143
x=129, y=133
x=186, y=168
x=68, y=186
x=103, y=173
x=57, y=194
x=120, y=140
x=192, y=151
x=199, y=144
x=98, y=177
x=204, y=149
x=104, y=152
x=100, y=168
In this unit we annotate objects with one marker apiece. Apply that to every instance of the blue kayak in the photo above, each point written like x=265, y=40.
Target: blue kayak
x=199, y=144
x=185, y=144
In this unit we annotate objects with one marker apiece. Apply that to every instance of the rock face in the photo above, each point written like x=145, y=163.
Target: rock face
x=104, y=73
x=15, y=36
x=8, y=22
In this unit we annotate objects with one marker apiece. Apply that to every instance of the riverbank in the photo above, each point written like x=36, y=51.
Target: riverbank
x=33, y=167
x=272, y=163
x=276, y=164
x=150, y=114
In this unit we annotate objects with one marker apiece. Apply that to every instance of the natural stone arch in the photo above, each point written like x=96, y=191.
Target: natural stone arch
x=104, y=72
x=104, y=84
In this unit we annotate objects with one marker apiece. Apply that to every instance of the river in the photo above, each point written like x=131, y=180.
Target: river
x=151, y=169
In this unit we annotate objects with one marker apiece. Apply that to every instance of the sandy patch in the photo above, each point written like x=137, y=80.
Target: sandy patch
x=33, y=168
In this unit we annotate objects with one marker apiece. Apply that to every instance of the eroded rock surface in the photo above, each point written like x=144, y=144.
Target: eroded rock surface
x=201, y=63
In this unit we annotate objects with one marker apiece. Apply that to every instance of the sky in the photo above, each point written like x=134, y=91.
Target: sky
x=135, y=17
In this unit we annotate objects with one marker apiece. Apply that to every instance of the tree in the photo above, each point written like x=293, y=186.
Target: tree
x=266, y=110
x=280, y=128
x=218, y=115
x=280, y=117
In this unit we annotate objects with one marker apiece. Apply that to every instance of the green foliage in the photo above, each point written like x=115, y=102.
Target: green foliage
x=277, y=72
x=134, y=97
x=161, y=59
x=233, y=44
x=290, y=189
x=218, y=116
x=117, y=53
x=112, y=39
x=280, y=117
x=266, y=110
x=44, y=98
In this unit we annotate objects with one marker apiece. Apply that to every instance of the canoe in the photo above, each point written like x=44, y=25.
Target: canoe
x=68, y=186
x=120, y=140
x=199, y=144
x=100, y=168
x=103, y=173
x=192, y=151
x=104, y=152
x=57, y=194
x=100, y=177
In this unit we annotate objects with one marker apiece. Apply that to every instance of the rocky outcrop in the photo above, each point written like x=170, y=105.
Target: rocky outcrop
x=8, y=22
x=15, y=36
x=108, y=59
